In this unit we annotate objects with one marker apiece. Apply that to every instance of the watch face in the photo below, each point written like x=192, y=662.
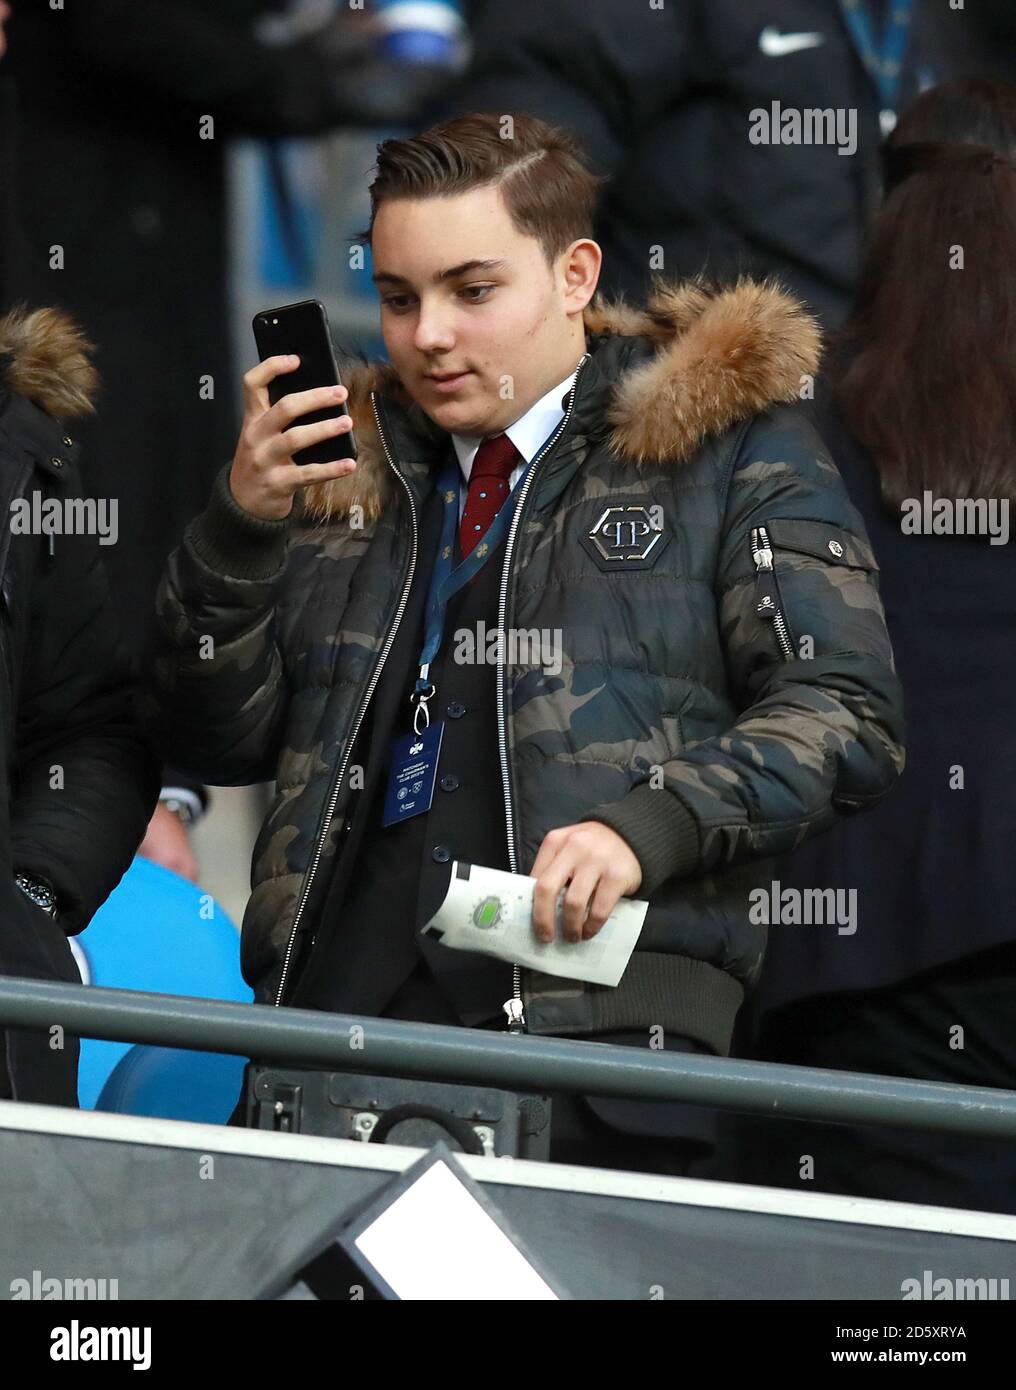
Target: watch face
x=38, y=893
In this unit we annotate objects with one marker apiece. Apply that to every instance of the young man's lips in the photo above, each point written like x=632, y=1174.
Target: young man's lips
x=448, y=383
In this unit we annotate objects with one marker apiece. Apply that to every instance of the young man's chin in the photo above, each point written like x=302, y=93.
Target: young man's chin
x=457, y=417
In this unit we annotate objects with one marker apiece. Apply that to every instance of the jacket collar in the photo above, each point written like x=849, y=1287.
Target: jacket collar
x=48, y=378
x=660, y=381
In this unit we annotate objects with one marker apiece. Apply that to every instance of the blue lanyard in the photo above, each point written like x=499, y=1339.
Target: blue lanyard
x=883, y=61
x=448, y=578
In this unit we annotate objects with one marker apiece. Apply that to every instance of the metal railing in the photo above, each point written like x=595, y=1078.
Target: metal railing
x=520, y=1062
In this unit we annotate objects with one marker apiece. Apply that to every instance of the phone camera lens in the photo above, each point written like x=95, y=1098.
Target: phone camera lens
x=275, y=320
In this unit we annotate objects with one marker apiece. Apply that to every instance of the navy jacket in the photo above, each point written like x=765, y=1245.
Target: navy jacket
x=932, y=866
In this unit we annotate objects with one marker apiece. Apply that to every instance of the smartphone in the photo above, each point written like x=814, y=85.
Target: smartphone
x=303, y=329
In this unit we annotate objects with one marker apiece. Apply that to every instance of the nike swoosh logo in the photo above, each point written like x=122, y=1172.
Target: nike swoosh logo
x=776, y=45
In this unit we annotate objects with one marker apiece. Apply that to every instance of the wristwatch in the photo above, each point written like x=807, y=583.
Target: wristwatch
x=38, y=892
x=183, y=810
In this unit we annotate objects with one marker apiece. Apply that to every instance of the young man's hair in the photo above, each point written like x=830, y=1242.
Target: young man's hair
x=549, y=191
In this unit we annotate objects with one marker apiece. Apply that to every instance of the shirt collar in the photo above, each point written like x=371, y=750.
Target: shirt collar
x=529, y=433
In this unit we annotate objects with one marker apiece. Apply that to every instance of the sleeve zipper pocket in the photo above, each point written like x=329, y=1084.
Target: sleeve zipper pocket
x=769, y=605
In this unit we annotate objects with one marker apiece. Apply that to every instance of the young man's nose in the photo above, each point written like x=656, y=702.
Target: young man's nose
x=434, y=328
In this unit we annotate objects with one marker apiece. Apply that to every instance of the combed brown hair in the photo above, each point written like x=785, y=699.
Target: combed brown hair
x=925, y=369
x=549, y=191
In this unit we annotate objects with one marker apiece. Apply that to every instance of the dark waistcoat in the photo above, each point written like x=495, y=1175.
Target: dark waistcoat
x=388, y=882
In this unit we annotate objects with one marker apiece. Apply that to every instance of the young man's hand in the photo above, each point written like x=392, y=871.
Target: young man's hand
x=264, y=479
x=602, y=868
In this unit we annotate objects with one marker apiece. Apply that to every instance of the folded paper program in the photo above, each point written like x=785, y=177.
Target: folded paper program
x=491, y=911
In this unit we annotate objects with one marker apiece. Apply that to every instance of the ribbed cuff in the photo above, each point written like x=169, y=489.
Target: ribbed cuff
x=231, y=541
x=661, y=831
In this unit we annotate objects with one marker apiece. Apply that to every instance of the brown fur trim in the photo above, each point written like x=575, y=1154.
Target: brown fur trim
x=722, y=356
x=370, y=486
x=45, y=356
x=734, y=354
x=616, y=317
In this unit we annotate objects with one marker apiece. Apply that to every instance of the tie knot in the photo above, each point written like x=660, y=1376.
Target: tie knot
x=495, y=458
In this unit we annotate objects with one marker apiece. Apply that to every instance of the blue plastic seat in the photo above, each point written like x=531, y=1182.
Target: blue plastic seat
x=171, y=1084
x=158, y=932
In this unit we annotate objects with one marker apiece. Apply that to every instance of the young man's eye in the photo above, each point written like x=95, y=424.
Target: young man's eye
x=397, y=302
x=476, y=294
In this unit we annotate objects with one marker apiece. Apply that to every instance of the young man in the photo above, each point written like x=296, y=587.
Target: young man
x=631, y=488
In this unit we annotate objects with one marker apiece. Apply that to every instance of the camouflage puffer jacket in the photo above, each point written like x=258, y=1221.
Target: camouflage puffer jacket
x=727, y=686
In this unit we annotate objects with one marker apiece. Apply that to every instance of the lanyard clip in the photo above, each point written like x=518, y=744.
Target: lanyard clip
x=422, y=692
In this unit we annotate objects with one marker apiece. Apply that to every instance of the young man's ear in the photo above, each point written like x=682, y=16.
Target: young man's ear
x=580, y=271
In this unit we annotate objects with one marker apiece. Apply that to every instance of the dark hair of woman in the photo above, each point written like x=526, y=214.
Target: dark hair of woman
x=925, y=370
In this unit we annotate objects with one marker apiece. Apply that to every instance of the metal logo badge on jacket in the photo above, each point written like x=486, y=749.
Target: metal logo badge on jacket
x=627, y=537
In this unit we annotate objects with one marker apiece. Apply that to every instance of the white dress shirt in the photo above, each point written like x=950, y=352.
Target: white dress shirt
x=529, y=434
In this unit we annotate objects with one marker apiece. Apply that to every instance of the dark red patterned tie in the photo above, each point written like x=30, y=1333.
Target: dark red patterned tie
x=488, y=487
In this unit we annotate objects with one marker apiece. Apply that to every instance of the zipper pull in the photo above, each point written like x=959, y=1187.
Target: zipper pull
x=762, y=555
x=516, y=1016
x=760, y=549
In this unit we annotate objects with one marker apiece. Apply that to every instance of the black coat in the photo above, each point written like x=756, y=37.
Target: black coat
x=661, y=99
x=933, y=865
x=79, y=782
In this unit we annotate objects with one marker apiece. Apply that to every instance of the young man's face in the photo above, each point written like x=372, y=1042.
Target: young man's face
x=502, y=329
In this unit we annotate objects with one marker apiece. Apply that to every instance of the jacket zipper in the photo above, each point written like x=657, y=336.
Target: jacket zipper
x=371, y=686
x=6, y=607
x=769, y=605
x=513, y=1006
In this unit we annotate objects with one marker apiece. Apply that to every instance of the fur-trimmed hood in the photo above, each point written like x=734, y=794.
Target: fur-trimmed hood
x=720, y=356
x=45, y=357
